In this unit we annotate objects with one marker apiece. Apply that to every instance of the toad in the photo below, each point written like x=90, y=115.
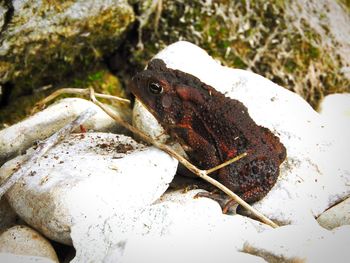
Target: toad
x=212, y=129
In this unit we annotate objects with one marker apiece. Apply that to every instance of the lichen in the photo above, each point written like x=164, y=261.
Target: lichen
x=268, y=38
x=49, y=41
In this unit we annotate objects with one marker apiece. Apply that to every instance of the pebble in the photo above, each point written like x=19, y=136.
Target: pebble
x=85, y=179
x=17, y=138
x=22, y=240
x=336, y=216
x=309, y=181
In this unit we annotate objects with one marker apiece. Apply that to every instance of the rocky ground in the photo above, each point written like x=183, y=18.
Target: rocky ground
x=108, y=197
x=102, y=195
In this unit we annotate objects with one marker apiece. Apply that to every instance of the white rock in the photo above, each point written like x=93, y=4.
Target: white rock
x=296, y=243
x=22, y=240
x=144, y=121
x=335, y=111
x=19, y=137
x=7, y=215
x=186, y=230
x=336, y=107
x=336, y=216
x=332, y=249
x=86, y=179
x=311, y=178
x=11, y=258
x=180, y=249
x=179, y=213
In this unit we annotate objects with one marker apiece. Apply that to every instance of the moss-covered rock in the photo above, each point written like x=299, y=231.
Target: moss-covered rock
x=45, y=41
x=100, y=79
x=301, y=45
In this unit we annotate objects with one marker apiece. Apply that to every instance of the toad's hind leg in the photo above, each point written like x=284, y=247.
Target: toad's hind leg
x=263, y=176
x=253, y=180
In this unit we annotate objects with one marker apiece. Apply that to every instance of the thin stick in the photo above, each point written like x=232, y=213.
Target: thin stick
x=201, y=173
x=43, y=147
x=77, y=91
x=209, y=171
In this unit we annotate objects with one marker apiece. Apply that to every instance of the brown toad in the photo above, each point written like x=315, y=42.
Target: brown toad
x=212, y=129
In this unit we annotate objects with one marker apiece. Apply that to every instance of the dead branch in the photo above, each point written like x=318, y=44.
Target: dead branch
x=59, y=92
x=201, y=173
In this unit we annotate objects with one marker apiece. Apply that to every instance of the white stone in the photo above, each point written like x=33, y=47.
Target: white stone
x=12, y=258
x=336, y=107
x=187, y=230
x=336, y=216
x=85, y=180
x=22, y=240
x=316, y=173
x=296, y=243
x=144, y=121
x=17, y=138
x=332, y=249
x=178, y=213
x=181, y=249
x=335, y=111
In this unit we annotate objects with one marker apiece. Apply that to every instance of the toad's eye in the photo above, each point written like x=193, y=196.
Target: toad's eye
x=155, y=88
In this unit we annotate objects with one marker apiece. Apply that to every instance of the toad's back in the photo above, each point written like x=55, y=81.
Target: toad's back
x=212, y=128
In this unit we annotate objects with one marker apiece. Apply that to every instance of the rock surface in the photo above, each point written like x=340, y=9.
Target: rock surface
x=309, y=183
x=179, y=228
x=22, y=240
x=169, y=249
x=88, y=177
x=6, y=257
x=336, y=106
x=301, y=244
x=336, y=216
x=43, y=41
x=335, y=110
x=17, y=138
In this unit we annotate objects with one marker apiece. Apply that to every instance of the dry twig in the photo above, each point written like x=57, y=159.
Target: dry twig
x=59, y=92
x=201, y=173
x=204, y=174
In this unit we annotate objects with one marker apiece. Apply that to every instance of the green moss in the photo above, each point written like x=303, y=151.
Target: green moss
x=257, y=35
x=100, y=79
x=346, y=3
x=239, y=63
x=66, y=47
x=290, y=66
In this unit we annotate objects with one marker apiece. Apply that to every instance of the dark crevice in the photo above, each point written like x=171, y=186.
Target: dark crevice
x=8, y=15
x=6, y=90
x=119, y=62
